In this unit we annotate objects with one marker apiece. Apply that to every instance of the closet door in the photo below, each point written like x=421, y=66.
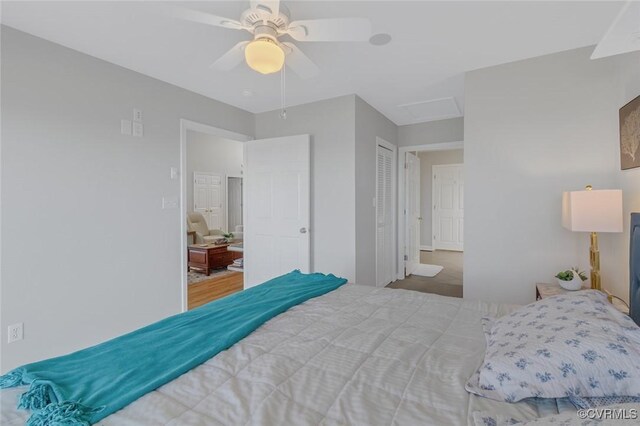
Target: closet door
x=384, y=216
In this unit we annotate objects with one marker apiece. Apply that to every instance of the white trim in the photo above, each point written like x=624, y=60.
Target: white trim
x=426, y=248
x=444, y=146
x=186, y=125
x=383, y=143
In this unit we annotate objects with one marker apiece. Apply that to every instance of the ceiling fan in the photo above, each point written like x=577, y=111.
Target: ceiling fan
x=267, y=21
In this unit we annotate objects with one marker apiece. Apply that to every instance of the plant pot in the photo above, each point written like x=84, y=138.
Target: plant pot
x=574, y=284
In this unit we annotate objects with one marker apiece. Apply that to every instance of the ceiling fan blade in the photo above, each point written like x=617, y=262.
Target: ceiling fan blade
x=269, y=6
x=204, y=18
x=339, y=29
x=299, y=62
x=231, y=59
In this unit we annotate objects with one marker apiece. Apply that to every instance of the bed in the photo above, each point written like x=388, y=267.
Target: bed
x=357, y=355
x=354, y=356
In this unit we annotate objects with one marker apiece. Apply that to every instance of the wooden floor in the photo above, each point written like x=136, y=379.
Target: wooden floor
x=215, y=288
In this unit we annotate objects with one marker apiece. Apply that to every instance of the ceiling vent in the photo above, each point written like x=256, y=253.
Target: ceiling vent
x=435, y=109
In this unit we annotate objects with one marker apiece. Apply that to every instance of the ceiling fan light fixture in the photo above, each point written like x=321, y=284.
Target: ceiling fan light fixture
x=264, y=56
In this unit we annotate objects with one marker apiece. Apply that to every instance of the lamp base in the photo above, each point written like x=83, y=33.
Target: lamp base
x=594, y=260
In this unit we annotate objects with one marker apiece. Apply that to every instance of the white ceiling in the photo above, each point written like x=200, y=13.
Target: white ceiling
x=433, y=44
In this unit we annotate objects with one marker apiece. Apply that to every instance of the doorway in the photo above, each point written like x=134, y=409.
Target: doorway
x=431, y=223
x=209, y=158
x=265, y=211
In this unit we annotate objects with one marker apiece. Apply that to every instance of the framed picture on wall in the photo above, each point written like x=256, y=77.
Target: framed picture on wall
x=630, y=135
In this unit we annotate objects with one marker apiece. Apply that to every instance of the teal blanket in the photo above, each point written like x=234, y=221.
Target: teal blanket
x=86, y=386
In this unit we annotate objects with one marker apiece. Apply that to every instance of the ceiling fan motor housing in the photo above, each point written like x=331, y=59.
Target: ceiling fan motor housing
x=268, y=31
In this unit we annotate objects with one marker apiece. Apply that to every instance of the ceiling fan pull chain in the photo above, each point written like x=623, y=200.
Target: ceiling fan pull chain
x=283, y=112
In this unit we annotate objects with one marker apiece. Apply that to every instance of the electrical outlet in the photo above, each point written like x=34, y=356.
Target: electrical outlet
x=16, y=332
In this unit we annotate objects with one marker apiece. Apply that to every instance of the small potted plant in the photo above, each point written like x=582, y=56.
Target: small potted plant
x=571, y=279
x=228, y=236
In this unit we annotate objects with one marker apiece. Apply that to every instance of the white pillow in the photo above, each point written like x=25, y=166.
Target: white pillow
x=570, y=345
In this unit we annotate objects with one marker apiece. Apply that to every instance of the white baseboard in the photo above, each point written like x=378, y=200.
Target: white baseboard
x=426, y=248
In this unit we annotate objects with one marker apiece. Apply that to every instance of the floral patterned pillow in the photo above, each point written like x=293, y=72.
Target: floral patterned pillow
x=570, y=345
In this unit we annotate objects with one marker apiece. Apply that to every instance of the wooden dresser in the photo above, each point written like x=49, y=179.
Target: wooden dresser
x=210, y=257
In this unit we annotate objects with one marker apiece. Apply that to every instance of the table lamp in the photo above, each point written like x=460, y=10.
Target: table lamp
x=593, y=211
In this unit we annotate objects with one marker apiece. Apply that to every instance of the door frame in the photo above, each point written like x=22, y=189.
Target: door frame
x=394, y=152
x=433, y=200
x=401, y=216
x=226, y=199
x=186, y=125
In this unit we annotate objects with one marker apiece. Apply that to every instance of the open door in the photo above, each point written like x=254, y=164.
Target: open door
x=412, y=209
x=277, y=208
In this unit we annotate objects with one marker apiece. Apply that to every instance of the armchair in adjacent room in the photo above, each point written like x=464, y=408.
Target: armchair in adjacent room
x=204, y=235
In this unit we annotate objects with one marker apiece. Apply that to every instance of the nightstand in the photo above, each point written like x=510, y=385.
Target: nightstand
x=546, y=290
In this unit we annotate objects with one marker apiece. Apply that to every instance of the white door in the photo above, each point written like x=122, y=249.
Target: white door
x=448, y=207
x=207, y=198
x=277, y=199
x=412, y=250
x=384, y=216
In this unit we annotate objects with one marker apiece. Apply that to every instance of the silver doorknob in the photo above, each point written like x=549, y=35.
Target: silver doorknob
x=303, y=230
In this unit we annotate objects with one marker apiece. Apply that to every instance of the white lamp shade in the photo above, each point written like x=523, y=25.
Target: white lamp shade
x=592, y=211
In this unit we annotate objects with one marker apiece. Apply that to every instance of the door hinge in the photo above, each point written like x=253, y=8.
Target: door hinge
x=406, y=165
x=406, y=257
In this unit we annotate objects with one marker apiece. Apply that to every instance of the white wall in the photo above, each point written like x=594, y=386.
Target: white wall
x=369, y=124
x=331, y=126
x=439, y=131
x=428, y=159
x=88, y=253
x=209, y=153
x=534, y=129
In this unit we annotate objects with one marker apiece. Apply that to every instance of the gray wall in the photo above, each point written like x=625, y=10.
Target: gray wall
x=369, y=124
x=534, y=129
x=449, y=130
x=209, y=153
x=333, y=222
x=88, y=254
x=428, y=159
x=628, y=85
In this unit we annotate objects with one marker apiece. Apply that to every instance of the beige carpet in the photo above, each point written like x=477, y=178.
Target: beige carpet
x=446, y=283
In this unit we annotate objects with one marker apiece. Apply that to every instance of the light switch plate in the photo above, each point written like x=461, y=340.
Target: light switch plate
x=169, y=203
x=137, y=115
x=125, y=127
x=174, y=173
x=138, y=130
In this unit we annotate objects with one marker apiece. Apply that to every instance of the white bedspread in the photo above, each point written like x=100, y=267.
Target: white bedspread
x=356, y=356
